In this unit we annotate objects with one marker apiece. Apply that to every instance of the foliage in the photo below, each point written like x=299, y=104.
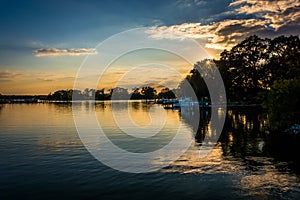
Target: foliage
x=196, y=80
x=119, y=93
x=243, y=68
x=283, y=103
x=136, y=94
x=255, y=71
x=61, y=95
x=251, y=67
x=148, y=92
x=166, y=93
x=101, y=95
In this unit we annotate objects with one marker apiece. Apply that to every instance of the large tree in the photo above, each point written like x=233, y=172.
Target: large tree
x=136, y=94
x=195, y=80
x=284, y=60
x=243, y=70
x=250, y=68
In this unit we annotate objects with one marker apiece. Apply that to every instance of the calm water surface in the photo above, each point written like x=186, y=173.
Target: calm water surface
x=42, y=157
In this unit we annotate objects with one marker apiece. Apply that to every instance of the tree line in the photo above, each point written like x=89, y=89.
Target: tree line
x=117, y=93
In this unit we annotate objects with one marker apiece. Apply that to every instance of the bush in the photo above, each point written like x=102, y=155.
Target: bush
x=283, y=104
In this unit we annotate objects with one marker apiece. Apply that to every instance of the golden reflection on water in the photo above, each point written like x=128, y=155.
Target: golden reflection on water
x=51, y=126
x=36, y=115
x=240, y=153
x=267, y=177
x=255, y=181
x=138, y=112
x=213, y=163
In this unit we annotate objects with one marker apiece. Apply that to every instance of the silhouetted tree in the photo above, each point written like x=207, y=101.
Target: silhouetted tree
x=166, y=93
x=100, y=95
x=196, y=81
x=283, y=103
x=89, y=93
x=148, y=92
x=119, y=93
x=250, y=68
x=136, y=94
x=61, y=95
x=284, y=60
x=244, y=68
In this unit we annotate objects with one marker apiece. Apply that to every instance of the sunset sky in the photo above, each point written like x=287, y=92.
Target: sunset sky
x=43, y=43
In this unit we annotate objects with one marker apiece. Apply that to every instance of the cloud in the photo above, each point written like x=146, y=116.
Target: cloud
x=254, y=6
x=276, y=13
x=63, y=52
x=249, y=17
x=40, y=76
x=218, y=35
x=189, y=3
x=8, y=75
x=45, y=79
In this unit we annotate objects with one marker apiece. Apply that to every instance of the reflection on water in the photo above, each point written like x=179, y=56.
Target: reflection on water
x=42, y=156
x=124, y=123
x=244, y=151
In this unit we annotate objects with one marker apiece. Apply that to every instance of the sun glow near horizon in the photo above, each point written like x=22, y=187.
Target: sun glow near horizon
x=44, y=58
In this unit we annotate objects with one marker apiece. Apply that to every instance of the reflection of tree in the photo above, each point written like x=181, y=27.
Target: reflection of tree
x=246, y=138
x=119, y=106
x=64, y=107
x=199, y=124
x=136, y=105
x=203, y=125
x=1, y=107
x=243, y=133
x=100, y=105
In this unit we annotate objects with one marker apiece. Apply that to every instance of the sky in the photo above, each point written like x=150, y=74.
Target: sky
x=43, y=43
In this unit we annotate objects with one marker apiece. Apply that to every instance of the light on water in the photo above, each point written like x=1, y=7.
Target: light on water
x=41, y=152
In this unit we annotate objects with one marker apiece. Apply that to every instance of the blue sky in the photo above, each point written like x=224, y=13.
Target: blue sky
x=67, y=31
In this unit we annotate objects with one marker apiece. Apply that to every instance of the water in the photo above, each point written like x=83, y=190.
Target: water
x=42, y=157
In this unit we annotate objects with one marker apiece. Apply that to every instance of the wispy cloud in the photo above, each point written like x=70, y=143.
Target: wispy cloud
x=9, y=75
x=26, y=82
x=45, y=79
x=63, y=52
x=19, y=75
x=189, y=3
x=250, y=17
